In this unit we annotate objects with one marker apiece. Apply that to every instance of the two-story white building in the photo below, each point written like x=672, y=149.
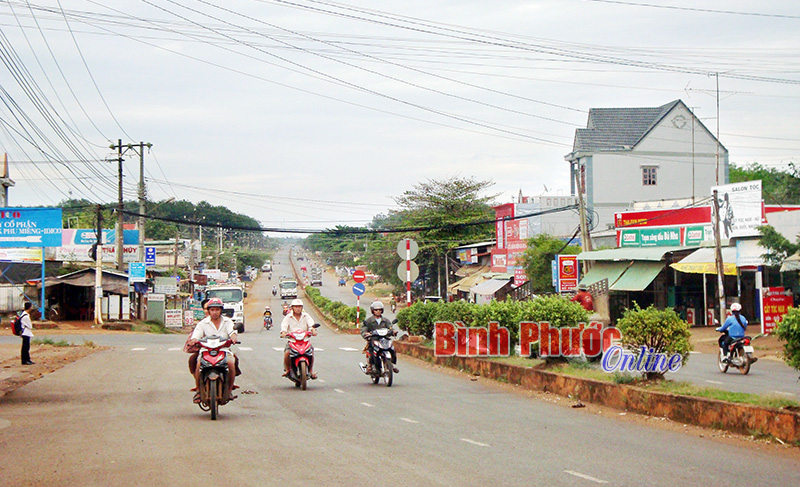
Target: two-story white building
x=627, y=155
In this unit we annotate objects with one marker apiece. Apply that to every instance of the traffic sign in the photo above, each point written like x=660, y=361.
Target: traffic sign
x=401, y=271
x=359, y=276
x=359, y=289
x=409, y=245
x=150, y=256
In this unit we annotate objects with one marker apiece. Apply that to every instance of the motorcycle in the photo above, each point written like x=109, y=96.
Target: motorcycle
x=285, y=309
x=383, y=357
x=274, y=291
x=741, y=354
x=268, y=321
x=301, y=353
x=213, y=364
x=394, y=307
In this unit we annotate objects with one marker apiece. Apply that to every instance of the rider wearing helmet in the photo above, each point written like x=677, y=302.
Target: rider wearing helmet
x=374, y=322
x=297, y=320
x=216, y=324
x=736, y=325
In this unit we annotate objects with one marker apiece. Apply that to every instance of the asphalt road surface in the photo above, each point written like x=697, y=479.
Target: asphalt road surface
x=125, y=417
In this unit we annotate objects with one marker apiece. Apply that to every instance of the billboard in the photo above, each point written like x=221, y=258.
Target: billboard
x=739, y=209
x=30, y=227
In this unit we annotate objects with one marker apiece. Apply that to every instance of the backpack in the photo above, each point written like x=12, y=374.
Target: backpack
x=17, y=325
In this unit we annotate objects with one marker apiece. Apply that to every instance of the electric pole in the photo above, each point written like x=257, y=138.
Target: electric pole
x=98, y=269
x=718, y=260
x=120, y=207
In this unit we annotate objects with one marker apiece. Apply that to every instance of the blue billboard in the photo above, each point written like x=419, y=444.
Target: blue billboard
x=30, y=227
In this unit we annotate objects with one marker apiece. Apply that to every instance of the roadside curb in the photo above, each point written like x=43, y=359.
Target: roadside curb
x=739, y=418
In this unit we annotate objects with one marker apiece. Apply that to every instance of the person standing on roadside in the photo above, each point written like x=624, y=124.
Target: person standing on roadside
x=27, y=334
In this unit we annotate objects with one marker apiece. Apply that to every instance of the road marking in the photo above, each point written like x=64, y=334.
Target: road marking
x=784, y=393
x=174, y=349
x=280, y=349
x=348, y=349
x=409, y=420
x=137, y=349
x=317, y=349
x=246, y=349
x=367, y=404
x=715, y=382
x=696, y=352
x=473, y=442
x=320, y=380
x=586, y=477
x=339, y=391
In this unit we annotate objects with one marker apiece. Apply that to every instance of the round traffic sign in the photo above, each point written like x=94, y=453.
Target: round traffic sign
x=359, y=276
x=359, y=289
x=407, y=245
x=401, y=271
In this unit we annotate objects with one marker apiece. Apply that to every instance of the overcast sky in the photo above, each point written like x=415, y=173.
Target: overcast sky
x=308, y=114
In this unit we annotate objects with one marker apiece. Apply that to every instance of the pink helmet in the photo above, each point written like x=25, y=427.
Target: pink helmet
x=215, y=302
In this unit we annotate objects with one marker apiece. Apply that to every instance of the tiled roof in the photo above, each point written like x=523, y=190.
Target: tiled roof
x=618, y=128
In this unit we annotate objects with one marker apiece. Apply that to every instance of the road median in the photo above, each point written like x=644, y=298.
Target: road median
x=782, y=424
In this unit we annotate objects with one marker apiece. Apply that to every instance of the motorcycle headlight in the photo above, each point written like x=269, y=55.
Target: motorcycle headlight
x=213, y=353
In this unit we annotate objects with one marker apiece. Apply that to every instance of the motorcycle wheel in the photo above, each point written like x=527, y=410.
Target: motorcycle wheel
x=723, y=367
x=388, y=373
x=745, y=368
x=303, y=375
x=376, y=372
x=213, y=403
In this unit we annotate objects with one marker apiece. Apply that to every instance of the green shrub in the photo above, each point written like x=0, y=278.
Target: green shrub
x=660, y=330
x=788, y=330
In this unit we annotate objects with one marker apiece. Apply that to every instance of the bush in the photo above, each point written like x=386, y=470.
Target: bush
x=788, y=330
x=660, y=330
x=342, y=315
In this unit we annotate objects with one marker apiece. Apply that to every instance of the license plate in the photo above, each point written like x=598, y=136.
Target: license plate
x=748, y=349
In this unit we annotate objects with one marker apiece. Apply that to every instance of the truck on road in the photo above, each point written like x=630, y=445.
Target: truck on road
x=288, y=288
x=316, y=276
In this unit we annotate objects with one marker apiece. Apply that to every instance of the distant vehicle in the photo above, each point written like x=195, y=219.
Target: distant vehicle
x=432, y=299
x=232, y=297
x=316, y=276
x=288, y=288
x=267, y=267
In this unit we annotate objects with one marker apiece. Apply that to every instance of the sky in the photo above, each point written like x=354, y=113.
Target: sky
x=307, y=114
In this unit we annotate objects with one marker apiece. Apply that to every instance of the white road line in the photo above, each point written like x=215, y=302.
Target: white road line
x=137, y=349
x=317, y=349
x=246, y=349
x=696, y=352
x=280, y=349
x=320, y=380
x=409, y=420
x=367, y=404
x=784, y=393
x=715, y=382
x=348, y=349
x=339, y=391
x=586, y=477
x=175, y=349
x=473, y=442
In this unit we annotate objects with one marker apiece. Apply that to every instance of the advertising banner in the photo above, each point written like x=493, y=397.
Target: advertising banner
x=30, y=227
x=739, y=209
x=173, y=318
x=567, y=273
x=774, y=304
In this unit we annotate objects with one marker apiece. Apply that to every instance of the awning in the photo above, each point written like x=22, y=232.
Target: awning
x=605, y=270
x=465, y=284
x=489, y=287
x=792, y=263
x=470, y=269
x=631, y=253
x=637, y=277
x=702, y=261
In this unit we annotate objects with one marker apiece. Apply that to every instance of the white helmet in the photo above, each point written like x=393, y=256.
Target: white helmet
x=296, y=302
x=736, y=307
x=376, y=305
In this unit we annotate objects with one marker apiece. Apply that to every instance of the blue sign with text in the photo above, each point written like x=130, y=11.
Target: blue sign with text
x=150, y=256
x=30, y=227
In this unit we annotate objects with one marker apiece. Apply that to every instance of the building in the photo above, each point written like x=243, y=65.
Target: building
x=625, y=155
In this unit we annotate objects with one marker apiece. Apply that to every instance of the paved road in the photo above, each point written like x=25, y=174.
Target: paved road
x=125, y=417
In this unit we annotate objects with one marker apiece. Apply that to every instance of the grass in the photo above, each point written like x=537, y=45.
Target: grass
x=151, y=327
x=688, y=389
x=51, y=342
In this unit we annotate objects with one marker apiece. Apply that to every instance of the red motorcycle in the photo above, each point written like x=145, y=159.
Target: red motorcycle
x=301, y=353
x=213, y=364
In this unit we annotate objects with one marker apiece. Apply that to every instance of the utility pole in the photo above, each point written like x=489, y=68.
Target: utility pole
x=118, y=249
x=718, y=260
x=98, y=270
x=586, y=243
x=142, y=199
x=120, y=207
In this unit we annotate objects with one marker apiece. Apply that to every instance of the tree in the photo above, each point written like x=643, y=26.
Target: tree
x=778, y=247
x=657, y=330
x=536, y=259
x=778, y=187
x=788, y=330
x=449, y=210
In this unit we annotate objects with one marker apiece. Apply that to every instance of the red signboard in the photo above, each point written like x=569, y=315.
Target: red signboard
x=663, y=217
x=774, y=304
x=519, y=277
x=567, y=273
x=359, y=276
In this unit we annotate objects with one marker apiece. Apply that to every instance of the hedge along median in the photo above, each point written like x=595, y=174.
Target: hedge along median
x=338, y=314
x=739, y=418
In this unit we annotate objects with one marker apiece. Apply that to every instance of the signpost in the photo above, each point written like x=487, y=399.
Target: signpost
x=136, y=272
x=407, y=249
x=358, y=290
x=149, y=256
x=567, y=273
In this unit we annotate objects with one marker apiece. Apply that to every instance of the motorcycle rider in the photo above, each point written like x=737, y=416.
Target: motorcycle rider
x=371, y=324
x=268, y=314
x=297, y=320
x=736, y=324
x=216, y=324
